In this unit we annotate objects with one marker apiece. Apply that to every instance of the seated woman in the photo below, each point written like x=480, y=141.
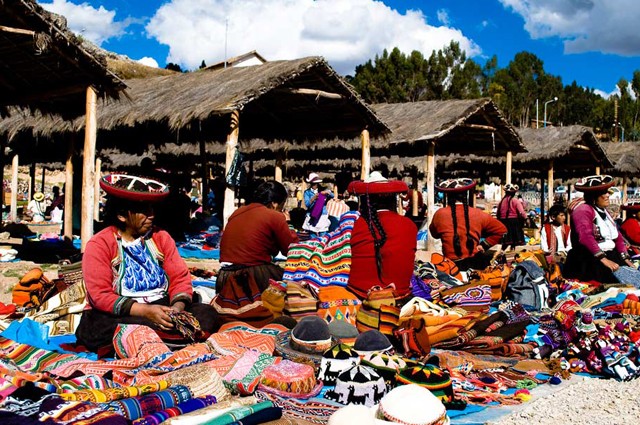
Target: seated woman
x=555, y=237
x=512, y=214
x=383, y=243
x=598, y=248
x=133, y=272
x=254, y=234
x=631, y=226
x=466, y=232
x=315, y=201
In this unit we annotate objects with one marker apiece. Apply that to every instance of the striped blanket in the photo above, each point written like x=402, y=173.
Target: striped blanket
x=325, y=260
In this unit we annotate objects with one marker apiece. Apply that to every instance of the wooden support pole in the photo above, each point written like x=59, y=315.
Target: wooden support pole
x=44, y=172
x=14, y=189
x=550, y=184
x=232, y=147
x=68, y=191
x=2, y=165
x=430, y=172
x=366, y=155
x=414, y=201
x=32, y=182
x=204, y=175
x=542, y=198
x=96, y=190
x=88, y=167
x=597, y=170
x=624, y=196
x=509, y=167
x=278, y=171
x=335, y=190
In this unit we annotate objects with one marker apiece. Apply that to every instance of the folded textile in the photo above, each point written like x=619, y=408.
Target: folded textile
x=137, y=407
x=185, y=407
x=113, y=394
x=261, y=417
x=238, y=413
x=60, y=411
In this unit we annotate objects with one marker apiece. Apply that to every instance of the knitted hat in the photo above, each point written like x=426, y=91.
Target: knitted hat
x=290, y=379
x=399, y=407
x=352, y=414
x=456, y=185
x=597, y=183
x=631, y=206
x=436, y=380
x=306, y=342
x=343, y=331
x=335, y=361
x=38, y=196
x=134, y=188
x=511, y=188
x=201, y=381
x=371, y=341
x=358, y=385
x=377, y=184
x=386, y=365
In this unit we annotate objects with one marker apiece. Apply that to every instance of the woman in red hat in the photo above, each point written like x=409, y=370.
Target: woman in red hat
x=383, y=243
x=466, y=232
x=598, y=249
x=133, y=272
x=631, y=226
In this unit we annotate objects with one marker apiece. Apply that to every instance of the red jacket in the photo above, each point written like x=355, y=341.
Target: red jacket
x=100, y=269
x=631, y=230
x=481, y=225
x=254, y=234
x=398, y=254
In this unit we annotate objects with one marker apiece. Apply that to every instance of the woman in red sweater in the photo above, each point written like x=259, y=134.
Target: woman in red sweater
x=133, y=272
x=466, y=232
x=631, y=226
x=383, y=243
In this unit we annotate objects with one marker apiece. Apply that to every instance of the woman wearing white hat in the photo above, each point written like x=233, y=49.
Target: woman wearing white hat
x=315, y=200
x=37, y=207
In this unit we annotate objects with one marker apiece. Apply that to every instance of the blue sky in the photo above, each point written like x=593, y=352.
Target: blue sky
x=594, y=42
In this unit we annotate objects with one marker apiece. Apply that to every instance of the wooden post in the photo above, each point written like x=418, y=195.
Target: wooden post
x=414, y=201
x=88, y=167
x=96, y=189
x=509, y=167
x=430, y=172
x=204, y=175
x=597, y=170
x=2, y=165
x=68, y=191
x=550, y=184
x=278, y=171
x=44, y=172
x=14, y=189
x=541, y=198
x=335, y=190
x=32, y=183
x=624, y=196
x=366, y=154
x=232, y=147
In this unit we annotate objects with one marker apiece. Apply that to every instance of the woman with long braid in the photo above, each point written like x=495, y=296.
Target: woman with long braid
x=466, y=232
x=383, y=243
x=512, y=214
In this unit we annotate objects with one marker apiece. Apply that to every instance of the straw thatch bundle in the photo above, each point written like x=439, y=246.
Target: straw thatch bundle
x=625, y=156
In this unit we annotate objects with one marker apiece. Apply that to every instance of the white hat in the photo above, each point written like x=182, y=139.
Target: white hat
x=398, y=407
x=314, y=178
x=352, y=414
x=375, y=177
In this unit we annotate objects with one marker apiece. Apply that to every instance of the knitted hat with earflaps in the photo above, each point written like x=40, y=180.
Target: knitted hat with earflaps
x=436, y=380
x=358, y=385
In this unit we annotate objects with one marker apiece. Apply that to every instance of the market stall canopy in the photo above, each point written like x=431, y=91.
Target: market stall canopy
x=456, y=126
x=625, y=157
x=44, y=65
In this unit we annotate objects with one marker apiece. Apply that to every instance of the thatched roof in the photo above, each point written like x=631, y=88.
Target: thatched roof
x=624, y=155
x=456, y=126
x=44, y=65
x=300, y=100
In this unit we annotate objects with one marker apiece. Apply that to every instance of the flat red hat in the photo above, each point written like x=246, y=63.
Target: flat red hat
x=134, y=188
x=631, y=206
x=597, y=183
x=377, y=184
x=456, y=185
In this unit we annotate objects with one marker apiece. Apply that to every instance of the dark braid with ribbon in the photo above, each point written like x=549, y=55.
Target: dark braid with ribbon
x=470, y=241
x=377, y=231
x=457, y=247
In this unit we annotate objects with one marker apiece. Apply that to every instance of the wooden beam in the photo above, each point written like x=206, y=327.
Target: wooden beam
x=232, y=147
x=204, y=175
x=44, y=174
x=597, y=170
x=4, y=28
x=312, y=92
x=479, y=127
x=88, y=167
x=366, y=154
x=14, y=188
x=96, y=190
x=550, y=184
x=624, y=196
x=68, y=191
x=430, y=173
x=47, y=94
x=509, y=166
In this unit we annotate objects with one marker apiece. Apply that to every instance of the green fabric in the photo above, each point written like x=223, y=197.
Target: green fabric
x=238, y=413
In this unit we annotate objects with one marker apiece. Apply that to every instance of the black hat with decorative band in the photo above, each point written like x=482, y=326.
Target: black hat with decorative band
x=633, y=206
x=597, y=183
x=456, y=185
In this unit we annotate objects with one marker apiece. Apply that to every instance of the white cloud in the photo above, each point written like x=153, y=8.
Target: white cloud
x=345, y=32
x=584, y=25
x=443, y=17
x=96, y=25
x=148, y=61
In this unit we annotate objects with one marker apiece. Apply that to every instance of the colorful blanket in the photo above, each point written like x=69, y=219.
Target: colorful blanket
x=325, y=260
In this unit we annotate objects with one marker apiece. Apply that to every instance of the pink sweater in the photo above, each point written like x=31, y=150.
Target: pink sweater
x=100, y=266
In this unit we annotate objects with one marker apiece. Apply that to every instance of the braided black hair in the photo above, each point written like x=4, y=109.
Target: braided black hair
x=452, y=199
x=370, y=206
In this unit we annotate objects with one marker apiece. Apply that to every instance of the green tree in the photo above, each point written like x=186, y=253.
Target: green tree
x=173, y=67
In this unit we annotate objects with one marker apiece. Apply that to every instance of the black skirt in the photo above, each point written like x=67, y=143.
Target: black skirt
x=515, y=233
x=261, y=273
x=583, y=266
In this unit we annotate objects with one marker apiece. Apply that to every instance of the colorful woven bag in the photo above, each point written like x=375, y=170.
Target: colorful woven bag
x=379, y=311
x=300, y=301
x=336, y=303
x=494, y=276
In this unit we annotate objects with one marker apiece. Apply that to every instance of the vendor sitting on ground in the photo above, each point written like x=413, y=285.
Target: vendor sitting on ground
x=254, y=235
x=134, y=274
x=555, y=238
x=467, y=233
x=598, y=247
x=383, y=243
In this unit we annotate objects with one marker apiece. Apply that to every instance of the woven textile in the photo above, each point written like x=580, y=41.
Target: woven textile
x=239, y=413
x=113, y=394
x=314, y=410
x=244, y=376
x=299, y=300
x=182, y=408
x=325, y=260
x=201, y=380
x=336, y=303
x=62, y=312
x=290, y=379
x=137, y=407
x=474, y=296
x=56, y=410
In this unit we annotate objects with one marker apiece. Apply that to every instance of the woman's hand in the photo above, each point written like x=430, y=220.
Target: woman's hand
x=179, y=306
x=156, y=314
x=611, y=265
x=629, y=263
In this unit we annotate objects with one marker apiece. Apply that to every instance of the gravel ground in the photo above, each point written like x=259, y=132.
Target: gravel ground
x=586, y=401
